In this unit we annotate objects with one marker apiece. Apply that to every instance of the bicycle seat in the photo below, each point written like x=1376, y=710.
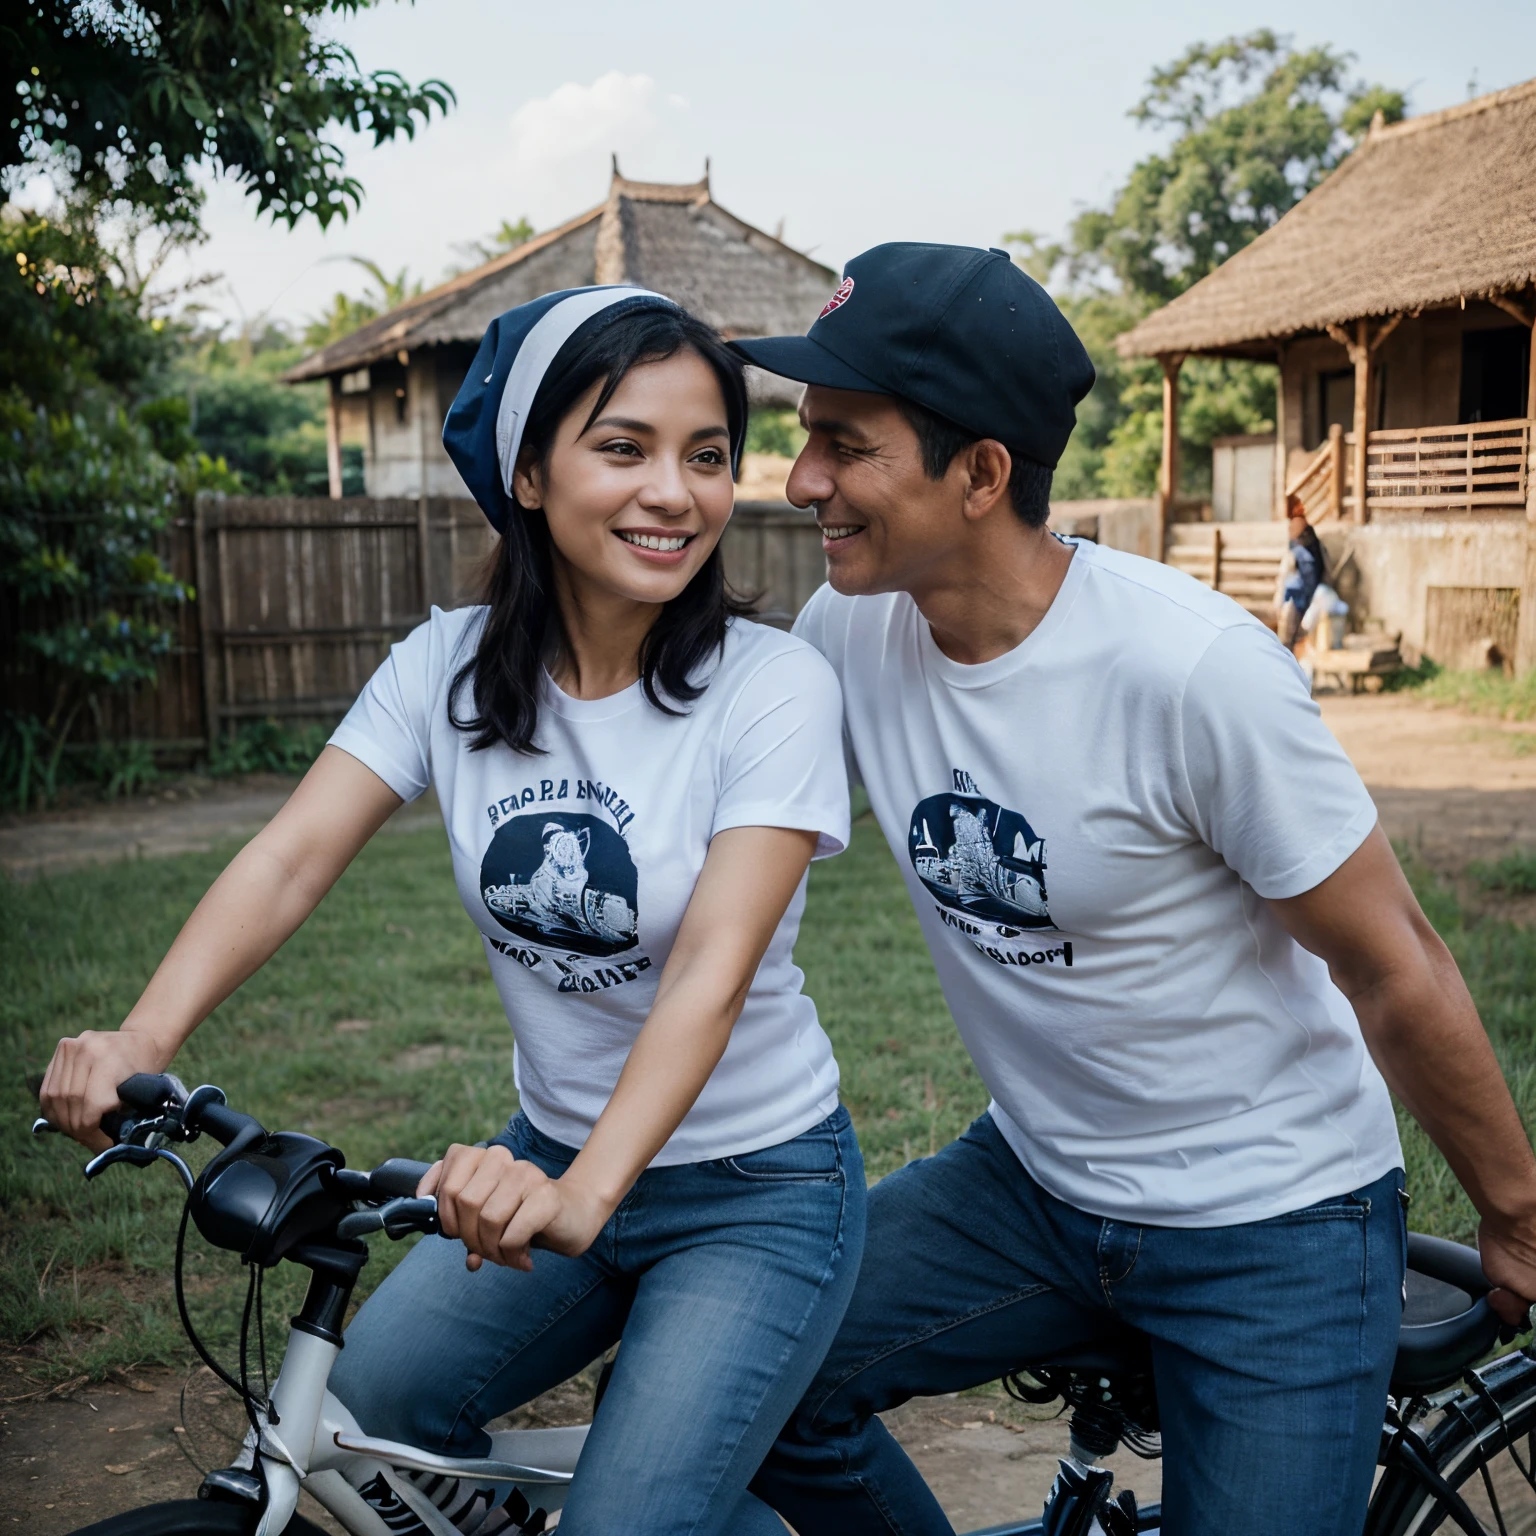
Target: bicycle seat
x=1447, y=1322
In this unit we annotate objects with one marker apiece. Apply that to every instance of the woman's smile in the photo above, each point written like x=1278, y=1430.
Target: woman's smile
x=657, y=546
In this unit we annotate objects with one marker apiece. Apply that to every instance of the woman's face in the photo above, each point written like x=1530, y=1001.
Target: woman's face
x=638, y=500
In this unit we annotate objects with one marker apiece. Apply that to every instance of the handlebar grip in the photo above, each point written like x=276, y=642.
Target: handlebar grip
x=224, y=1124
x=149, y=1091
x=397, y=1176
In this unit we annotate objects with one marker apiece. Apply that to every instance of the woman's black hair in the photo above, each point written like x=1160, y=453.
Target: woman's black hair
x=1309, y=541
x=523, y=627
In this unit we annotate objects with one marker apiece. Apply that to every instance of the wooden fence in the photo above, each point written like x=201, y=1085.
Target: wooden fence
x=299, y=599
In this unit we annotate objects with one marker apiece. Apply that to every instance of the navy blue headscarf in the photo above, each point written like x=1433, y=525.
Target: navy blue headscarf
x=484, y=429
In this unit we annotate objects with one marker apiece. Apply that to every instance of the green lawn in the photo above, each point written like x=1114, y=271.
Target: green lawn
x=378, y=1028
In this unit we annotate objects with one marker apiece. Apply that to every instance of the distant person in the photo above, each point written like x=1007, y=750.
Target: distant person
x=1308, y=566
x=634, y=780
x=1173, y=937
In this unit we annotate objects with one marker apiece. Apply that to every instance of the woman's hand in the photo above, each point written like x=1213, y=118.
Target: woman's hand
x=500, y=1207
x=80, y=1085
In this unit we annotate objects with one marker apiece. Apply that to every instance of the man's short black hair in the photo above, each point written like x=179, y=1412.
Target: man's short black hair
x=1029, y=483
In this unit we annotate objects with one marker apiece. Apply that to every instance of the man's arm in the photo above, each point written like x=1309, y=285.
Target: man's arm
x=1422, y=1028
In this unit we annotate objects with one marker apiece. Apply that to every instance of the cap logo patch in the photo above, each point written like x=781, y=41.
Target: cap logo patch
x=838, y=299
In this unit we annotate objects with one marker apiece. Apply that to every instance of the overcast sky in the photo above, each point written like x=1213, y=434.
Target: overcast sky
x=853, y=123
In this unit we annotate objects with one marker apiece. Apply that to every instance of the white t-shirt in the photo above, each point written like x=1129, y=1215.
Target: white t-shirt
x=1086, y=826
x=577, y=865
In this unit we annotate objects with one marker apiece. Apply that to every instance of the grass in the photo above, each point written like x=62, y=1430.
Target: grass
x=1514, y=874
x=378, y=1027
x=1484, y=693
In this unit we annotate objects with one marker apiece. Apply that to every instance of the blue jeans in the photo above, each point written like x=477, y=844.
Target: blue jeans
x=1272, y=1344
x=726, y=1281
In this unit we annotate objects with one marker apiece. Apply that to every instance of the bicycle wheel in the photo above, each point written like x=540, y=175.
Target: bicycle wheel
x=192, y=1517
x=1482, y=1443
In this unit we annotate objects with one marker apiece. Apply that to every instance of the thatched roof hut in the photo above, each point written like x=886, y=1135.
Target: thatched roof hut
x=1398, y=300
x=1426, y=212
x=392, y=380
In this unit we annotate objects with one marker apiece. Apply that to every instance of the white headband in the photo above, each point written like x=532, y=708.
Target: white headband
x=539, y=349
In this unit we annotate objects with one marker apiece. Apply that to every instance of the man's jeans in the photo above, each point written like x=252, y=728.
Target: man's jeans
x=1272, y=1344
x=727, y=1280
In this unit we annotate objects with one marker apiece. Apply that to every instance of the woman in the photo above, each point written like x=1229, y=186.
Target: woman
x=634, y=780
x=1306, y=569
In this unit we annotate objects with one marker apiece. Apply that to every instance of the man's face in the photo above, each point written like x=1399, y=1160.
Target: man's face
x=885, y=526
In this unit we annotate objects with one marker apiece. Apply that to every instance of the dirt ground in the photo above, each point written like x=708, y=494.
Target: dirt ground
x=67, y=1461
x=1452, y=787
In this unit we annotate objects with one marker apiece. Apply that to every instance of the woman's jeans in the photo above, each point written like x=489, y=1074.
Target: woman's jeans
x=726, y=1281
x=1271, y=1345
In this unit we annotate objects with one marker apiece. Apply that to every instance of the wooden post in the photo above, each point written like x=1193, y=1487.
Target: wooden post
x=333, y=437
x=1168, y=473
x=1277, y=497
x=1362, y=362
x=1336, y=471
x=1525, y=641
x=426, y=404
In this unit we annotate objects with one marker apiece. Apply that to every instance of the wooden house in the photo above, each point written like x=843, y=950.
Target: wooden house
x=391, y=382
x=1397, y=300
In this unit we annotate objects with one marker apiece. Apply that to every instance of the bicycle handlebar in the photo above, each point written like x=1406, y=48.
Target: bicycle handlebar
x=160, y=1103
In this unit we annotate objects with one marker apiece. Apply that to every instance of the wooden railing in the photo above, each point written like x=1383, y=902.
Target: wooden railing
x=1483, y=466
x=1320, y=484
x=1240, y=559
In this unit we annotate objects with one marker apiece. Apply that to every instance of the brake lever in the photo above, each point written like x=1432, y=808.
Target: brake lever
x=42, y=1127
x=140, y=1157
x=396, y=1218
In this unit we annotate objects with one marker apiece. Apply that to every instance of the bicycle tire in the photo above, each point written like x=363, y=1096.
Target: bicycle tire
x=192, y=1517
x=1480, y=1429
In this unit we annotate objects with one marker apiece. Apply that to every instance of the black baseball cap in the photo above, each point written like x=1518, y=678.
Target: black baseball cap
x=962, y=332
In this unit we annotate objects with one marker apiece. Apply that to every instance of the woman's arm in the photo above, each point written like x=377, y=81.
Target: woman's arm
x=500, y=1207
x=267, y=891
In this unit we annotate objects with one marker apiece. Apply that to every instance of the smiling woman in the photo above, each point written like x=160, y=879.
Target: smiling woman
x=634, y=780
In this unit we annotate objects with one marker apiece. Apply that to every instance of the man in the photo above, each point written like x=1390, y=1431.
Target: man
x=1173, y=938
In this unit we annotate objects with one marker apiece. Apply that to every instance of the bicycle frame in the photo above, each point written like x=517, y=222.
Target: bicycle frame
x=310, y=1439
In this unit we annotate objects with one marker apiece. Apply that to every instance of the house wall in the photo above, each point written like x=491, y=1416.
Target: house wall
x=1387, y=568
x=406, y=407
x=1417, y=376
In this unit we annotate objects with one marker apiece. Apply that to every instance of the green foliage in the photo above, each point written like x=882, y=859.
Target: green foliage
x=271, y=435
x=119, y=102
x=1515, y=873
x=267, y=746
x=83, y=498
x=1255, y=124
x=777, y=432
x=65, y=325
x=1483, y=693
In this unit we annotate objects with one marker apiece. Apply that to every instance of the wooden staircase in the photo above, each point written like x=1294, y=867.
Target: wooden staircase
x=1240, y=559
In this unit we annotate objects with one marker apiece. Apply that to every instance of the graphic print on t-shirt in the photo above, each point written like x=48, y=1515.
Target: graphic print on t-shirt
x=979, y=858
x=562, y=878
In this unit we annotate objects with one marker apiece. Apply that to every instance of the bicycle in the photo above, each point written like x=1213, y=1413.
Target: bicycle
x=288, y=1197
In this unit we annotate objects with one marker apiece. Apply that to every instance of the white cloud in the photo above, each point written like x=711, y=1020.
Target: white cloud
x=615, y=110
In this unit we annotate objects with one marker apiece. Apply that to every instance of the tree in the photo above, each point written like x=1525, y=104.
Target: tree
x=117, y=102
x=1255, y=125
x=118, y=106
